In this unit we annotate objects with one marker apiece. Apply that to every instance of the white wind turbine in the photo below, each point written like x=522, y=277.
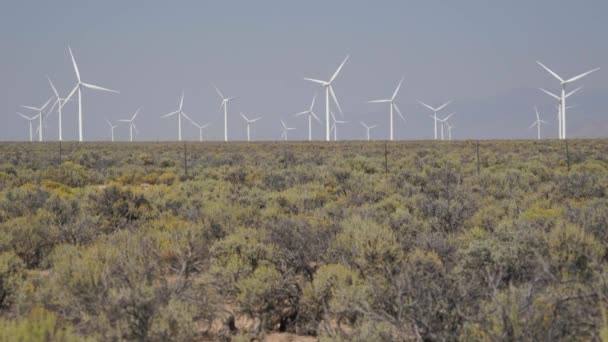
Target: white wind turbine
x=537, y=123
x=559, y=107
x=39, y=111
x=200, y=129
x=311, y=115
x=284, y=130
x=30, y=120
x=249, y=122
x=179, y=113
x=435, y=111
x=564, y=83
x=367, y=129
x=79, y=86
x=112, y=127
x=132, y=124
x=334, y=127
x=392, y=103
x=329, y=90
x=450, y=127
x=59, y=102
x=444, y=121
x=224, y=104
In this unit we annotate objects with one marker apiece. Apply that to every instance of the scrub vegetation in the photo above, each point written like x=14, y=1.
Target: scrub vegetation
x=325, y=241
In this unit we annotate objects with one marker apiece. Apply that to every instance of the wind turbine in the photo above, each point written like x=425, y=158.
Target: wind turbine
x=367, y=129
x=329, y=90
x=449, y=130
x=225, y=105
x=537, y=123
x=131, y=124
x=112, y=127
x=79, y=86
x=435, y=111
x=179, y=113
x=30, y=120
x=559, y=106
x=200, y=129
x=39, y=110
x=444, y=121
x=59, y=102
x=334, y=127
x=311, y=115
x=564, y=83
x=249, y=122
x=392, y=103
x=284, y=130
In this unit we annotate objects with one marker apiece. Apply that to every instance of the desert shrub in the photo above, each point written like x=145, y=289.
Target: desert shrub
x=11, y=274
x=574, y=252
x=70, y=174
x=33, y=237
x=22, y=201
x=167, y=178
x=367, y=246
x=39, y=326
x=261, y=295
x=118, y=207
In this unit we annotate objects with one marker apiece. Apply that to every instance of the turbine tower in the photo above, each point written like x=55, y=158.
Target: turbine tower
x=59, y=102
x=284, y=130
x=435, y=111
x=225, y=105
x=450, y=127
x=537, y=123
x=39, y=111
x=311, y=115
x=329, y=90
x=249, y=122
x=334, y=127
x=179, y=113
x=79, y=86
x=30, y=120
x=564, y=83
x=392, y=105
x=559, y=106
x=112, y=127
x=132, y=124
x=367, y=129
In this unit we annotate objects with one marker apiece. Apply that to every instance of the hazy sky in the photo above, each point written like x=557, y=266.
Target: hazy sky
x=479, y=53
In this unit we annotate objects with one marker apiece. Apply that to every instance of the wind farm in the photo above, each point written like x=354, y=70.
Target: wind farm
x=312, y=171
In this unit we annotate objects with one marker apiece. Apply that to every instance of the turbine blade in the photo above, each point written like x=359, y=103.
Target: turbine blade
x=447, y=117
x=550, y=94
x=283, y=123
x=316, y=81
x=364, y=125
x=338, y=71
x=533, y=124
x=256, y=119
x=550, y=71
x=244, y=117
x=302, y=113
x=94, y=87
x=71, y=93
x=74, y=62
x=53, y=87
x=46, y=104
x=232, y=98
x=189, y=119
x=109, y=124
x=333, y=95
x=399, y=112
x=373, y=126
x=135, y=128
x=444, y=105
x=537, y=116
x=181, y=102
x=576, y=78
x=217, y=90
x=427, y=106
x=135, y=115
x=574, y=91
x=23, y=116
x=312, y=105
x=316, y=117
x=168, y=115
x=32, y=108
x=379, y=101
x=397, y=90
x=124, y=120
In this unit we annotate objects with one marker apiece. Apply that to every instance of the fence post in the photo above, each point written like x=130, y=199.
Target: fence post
x=567, y=156
x=385, y=157
x=477, y=148
x=185, y=160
